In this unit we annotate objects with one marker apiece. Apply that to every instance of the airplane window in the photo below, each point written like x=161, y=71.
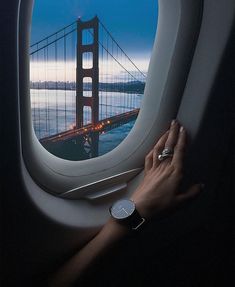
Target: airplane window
x=88, y=68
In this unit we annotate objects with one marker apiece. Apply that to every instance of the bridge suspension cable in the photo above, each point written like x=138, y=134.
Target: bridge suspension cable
x=53, y=84
x=143, y=74
x=53, y=34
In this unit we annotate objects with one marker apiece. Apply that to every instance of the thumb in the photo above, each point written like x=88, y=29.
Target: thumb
x=191, y=193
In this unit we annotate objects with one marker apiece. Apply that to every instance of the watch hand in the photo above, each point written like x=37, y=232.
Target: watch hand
x=125, y=211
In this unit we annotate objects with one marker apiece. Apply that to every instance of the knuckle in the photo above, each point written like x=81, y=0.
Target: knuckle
x=159, y=144
x=155, y=147
x=147, y=157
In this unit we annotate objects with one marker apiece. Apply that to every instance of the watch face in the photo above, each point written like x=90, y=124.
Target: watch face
x=122, y=209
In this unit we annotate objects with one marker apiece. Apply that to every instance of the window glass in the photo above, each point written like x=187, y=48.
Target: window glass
x=88, y=68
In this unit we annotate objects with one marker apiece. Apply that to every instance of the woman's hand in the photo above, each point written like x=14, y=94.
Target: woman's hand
x=159, y=192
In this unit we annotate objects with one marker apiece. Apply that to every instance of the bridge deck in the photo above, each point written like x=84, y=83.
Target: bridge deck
x=101, y=126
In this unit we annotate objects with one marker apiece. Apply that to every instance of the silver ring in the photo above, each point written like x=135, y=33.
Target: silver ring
x=167, y=150
x=166, y=153
x=162, y=157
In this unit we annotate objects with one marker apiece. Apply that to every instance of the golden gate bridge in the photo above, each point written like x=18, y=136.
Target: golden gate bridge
x=82, y=84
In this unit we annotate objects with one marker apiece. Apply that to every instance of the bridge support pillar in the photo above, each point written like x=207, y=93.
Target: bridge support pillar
x=93, y=73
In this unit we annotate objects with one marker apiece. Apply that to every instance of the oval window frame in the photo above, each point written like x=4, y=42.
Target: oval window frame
x=177, y=30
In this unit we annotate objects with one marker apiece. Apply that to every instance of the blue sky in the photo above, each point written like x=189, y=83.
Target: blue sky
x=131, y=22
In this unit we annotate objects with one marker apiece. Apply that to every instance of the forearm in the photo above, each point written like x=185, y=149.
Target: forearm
x=157, y=195
x=110, y=234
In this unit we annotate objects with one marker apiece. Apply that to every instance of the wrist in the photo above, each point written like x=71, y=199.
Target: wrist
x=115, y=231
x=140, y=206
x=125, y=213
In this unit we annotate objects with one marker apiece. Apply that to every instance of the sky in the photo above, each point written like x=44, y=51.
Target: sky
x=131, y=22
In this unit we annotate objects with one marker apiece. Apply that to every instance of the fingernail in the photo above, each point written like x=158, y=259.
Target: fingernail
x=173, y=122
x=182, y=129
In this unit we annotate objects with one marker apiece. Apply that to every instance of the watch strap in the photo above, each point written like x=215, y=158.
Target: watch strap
x=136, y=220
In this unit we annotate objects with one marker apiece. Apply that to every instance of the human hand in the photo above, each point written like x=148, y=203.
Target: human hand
x=159, y=192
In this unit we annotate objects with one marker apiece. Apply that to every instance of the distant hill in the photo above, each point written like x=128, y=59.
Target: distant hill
x=128, y=87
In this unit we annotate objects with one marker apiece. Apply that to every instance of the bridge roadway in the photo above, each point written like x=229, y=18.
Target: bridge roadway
x=101, y=127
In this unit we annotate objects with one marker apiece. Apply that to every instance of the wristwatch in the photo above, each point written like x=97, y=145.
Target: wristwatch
x=124, y=211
